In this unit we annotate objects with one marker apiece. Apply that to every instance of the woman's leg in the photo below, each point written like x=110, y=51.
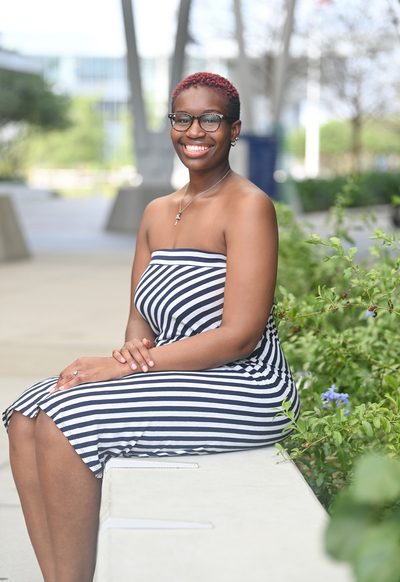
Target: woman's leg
x=60, y=498
x=21, y=434
x=71, y=495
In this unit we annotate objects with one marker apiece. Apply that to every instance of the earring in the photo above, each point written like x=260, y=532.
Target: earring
x=233, y=143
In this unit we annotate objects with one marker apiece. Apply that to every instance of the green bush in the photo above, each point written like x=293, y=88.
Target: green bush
x=374, y=188
x=333, y=346
x=365, y=525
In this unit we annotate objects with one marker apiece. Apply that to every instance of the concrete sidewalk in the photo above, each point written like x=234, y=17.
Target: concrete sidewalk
x=70, y=299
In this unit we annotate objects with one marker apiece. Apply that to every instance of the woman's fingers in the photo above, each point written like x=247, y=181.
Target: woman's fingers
x=67, y=382
x=89, y=369
x=67, y=379
x=136, y=354
x=118, y=356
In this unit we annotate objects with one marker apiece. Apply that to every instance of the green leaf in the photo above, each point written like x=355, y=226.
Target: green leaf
x=352, y=252
x=386, y=425
x=337, y=437
x=317, y=400
x=361, y=410
x=326, y=259
x=334, y=240
x=320, y=480
x=378, y=557
x=346, y=528
x=304, y=461
x=368, y=428
x=343, y=457
x=391, y=381
x=377, y=422
x=301, y=425
x=377, y=481
x=347, y=273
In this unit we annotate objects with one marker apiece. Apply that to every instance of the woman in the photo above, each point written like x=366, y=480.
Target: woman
x=201, y=370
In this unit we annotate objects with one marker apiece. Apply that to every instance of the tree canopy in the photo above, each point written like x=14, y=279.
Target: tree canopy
x=29, y=98
x=82, y=144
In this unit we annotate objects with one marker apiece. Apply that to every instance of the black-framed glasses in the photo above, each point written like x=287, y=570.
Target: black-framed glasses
x=207, y=121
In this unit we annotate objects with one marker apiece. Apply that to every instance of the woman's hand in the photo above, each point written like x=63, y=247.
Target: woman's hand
x=88, y=370
x=136, y=354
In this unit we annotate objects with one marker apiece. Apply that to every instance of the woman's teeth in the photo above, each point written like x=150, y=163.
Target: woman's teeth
x=196, y=148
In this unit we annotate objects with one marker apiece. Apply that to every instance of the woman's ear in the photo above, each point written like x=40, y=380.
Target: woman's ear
x=235, y=130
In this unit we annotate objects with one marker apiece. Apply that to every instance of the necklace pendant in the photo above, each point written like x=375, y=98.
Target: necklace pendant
x=177, y=217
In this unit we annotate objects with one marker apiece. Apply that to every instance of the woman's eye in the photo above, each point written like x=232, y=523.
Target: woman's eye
x=211, y=119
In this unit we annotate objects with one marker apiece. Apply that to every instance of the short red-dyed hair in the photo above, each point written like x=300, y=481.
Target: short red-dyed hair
x=215, y=82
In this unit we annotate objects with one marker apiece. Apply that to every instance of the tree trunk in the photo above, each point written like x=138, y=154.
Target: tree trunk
x=356, y=124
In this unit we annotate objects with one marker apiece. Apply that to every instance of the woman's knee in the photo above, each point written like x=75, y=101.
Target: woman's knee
x=21, y=430
x=46, y=431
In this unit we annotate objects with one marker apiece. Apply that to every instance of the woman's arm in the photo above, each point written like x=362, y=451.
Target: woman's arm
x=252, y=248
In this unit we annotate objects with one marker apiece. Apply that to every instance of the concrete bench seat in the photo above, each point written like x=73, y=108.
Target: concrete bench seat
x=234, y=517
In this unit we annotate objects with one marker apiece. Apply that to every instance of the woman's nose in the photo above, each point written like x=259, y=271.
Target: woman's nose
x=195, y=130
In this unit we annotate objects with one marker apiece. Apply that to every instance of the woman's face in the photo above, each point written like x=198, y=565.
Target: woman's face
x=198, y=149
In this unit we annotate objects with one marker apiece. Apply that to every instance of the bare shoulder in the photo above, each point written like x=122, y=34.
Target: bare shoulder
x=159, y=206
x=159, y=203
x=246, y=201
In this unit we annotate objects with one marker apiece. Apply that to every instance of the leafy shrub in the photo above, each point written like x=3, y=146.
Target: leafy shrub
x=364, y=529
x=338, y=324
x=375, y=188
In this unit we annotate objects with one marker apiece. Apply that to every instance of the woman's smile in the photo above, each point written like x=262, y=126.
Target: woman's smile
x=196, y=150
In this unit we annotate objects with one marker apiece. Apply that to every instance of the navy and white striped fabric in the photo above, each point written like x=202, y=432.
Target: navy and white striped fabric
x=228, y=408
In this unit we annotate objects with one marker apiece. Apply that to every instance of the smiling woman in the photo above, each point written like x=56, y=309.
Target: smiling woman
x=201, y=370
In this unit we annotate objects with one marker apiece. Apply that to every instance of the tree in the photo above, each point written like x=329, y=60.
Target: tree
x=26, y=102
x=80, y=145
x=358, y=56
x=26, y=98
x=379, y=136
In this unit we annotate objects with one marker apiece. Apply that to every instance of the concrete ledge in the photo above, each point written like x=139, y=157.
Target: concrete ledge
x=129, y=206
x=234, y=517
x=12, y=242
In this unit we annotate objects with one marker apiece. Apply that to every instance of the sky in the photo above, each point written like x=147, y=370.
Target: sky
x=95, y=27
x=84, y=27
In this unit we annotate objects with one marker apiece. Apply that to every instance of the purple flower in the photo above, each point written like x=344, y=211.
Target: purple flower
x=331, y=396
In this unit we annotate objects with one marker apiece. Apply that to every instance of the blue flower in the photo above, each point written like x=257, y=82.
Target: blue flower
x=331, y=396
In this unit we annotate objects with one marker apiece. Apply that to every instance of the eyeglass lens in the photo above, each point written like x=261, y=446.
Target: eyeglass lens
x=207, y=121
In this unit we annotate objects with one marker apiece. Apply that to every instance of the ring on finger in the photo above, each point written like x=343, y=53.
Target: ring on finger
x=75, y=373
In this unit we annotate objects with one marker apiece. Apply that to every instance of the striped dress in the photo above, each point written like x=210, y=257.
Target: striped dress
x=228, y=408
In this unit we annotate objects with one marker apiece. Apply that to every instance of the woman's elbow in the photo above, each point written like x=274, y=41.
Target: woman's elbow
x=244, y=346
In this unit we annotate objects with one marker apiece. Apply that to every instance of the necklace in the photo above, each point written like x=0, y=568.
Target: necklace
x=178, y=216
